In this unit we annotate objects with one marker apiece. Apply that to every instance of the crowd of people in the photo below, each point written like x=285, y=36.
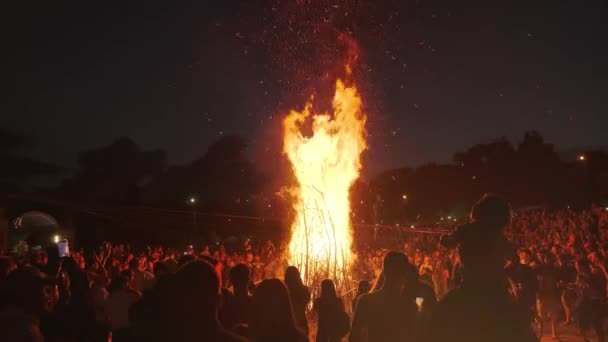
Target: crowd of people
x=551, y=265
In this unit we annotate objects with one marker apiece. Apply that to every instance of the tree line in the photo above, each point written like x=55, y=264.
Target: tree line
x=225, y=180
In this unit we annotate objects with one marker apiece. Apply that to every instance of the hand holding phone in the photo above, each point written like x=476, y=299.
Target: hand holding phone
x=64, y=248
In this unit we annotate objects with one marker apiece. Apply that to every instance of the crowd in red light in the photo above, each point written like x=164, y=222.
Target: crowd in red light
x=559, y=257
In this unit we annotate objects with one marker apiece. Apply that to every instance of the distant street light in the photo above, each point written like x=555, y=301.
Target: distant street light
x=191, y=201
x=583, y=160
x=404, y=196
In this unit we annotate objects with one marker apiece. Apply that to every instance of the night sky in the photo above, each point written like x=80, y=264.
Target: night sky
x=436, y=76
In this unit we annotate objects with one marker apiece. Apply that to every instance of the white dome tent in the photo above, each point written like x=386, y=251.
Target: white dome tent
x=33, y=220
x=36, y=228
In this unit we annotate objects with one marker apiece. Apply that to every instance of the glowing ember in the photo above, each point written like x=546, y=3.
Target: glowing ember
x=325, y=164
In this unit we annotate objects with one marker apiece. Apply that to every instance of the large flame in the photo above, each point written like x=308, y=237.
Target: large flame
x=325, y=164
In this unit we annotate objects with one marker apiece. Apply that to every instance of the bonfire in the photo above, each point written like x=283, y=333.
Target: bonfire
x=325, y=163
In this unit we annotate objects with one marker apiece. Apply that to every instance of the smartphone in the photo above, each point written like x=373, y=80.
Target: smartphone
x=64, y=248
x=419, y=303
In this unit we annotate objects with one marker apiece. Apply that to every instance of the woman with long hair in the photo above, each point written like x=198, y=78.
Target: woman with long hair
x=300, y=296
x=272, y=317
x=334, y=323
x=363, y=288
x=378, y=283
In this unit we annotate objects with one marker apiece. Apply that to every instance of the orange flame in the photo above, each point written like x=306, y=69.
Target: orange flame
x=325, y=164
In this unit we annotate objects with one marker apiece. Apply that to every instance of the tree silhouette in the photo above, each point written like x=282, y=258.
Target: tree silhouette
x=595, y=170
x=529, y=174
x=223, y=179
x=16, y=169
x=113, y=173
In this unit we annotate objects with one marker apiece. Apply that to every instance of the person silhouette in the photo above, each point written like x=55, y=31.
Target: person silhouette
x=333, y=322
x=378, y=282
x=423, y=296
x=299, y=294
x=16, y=325
x=386, y=314
x=481, y=309
x=184, y=309
x=363, y=288
x=272, y=317
x=591, y=289
x=236, y=309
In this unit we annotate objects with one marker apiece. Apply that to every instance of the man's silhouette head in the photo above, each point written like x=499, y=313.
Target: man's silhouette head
x=491, y=210
x=364, y=287
x=196, y=287
x=239, y=276
x=481, y=242
x=395, y=268
x=489, y=216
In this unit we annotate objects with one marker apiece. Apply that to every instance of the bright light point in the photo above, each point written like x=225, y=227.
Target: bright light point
x=455, y=220
x=412, y=226
x=56, y=238
x=474, y=177
x=449, y=217
x=404, y=196
x=192, y=200
x=581, y=157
